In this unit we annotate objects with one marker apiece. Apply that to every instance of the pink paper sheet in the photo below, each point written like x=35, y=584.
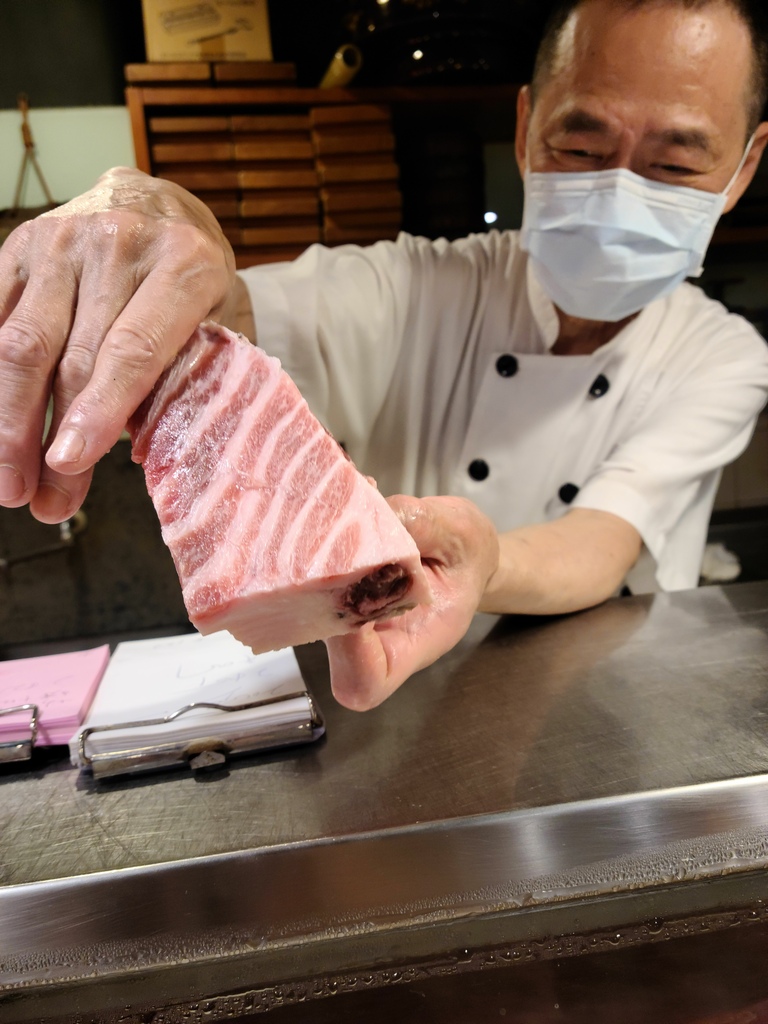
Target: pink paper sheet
x=62, y=686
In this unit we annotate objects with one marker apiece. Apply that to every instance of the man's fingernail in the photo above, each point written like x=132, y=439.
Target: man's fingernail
x=68, y=447
x=52, y=502
x=11, y=484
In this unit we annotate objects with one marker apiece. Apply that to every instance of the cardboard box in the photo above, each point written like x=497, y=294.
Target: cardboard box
x=208, y=30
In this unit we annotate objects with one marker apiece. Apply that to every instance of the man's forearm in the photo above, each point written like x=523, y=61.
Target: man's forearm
x=563, y=566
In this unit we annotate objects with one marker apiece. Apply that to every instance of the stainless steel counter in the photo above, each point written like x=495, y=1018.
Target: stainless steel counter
x=567, y=777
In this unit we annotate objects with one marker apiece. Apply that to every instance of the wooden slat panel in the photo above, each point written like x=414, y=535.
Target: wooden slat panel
x=277, y=178
x=180, y=71
x=172, y=167
x=211, y=176
x=254, y=71
x=270, y=122
x=364, y=218
x=221, y=208
x=352, y=127
x=347, y=114
x=332, y=171
x=197, y=180
x=284, y=235
x=251, y=257
x=289, y=95
x=330, y=144
x=359, y=234
x=190, y=124
x=279, y=204
x=187, y=152
x=340, y=198
x=269, y=150
x=190, y=138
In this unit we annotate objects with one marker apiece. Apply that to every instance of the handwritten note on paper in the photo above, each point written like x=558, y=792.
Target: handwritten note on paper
x=152, y=679
x=62, y=686
x=147, y=678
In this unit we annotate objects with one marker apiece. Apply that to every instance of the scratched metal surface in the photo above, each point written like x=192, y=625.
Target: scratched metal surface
x=640, y=694
x=538, y=774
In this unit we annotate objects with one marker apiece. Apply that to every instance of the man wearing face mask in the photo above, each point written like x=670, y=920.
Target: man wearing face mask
x=564, y=395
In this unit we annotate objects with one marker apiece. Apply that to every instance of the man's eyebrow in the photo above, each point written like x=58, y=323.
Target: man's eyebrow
x=686, y=138
x=581, y=121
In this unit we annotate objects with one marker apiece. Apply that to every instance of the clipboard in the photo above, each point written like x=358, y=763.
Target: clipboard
x=43, y=698
x=193, y=701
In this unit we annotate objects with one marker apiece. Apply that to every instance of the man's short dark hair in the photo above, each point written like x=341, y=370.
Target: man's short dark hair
x=752, y=12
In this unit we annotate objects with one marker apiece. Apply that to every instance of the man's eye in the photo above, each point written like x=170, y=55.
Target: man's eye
x=675, y=169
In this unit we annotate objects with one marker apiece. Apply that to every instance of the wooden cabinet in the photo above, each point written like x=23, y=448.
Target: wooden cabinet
x=282, y=167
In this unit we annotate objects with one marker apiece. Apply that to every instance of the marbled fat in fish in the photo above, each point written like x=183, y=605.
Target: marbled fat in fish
x=275, y=535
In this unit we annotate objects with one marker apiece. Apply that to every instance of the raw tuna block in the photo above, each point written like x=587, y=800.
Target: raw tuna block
x=275, y=535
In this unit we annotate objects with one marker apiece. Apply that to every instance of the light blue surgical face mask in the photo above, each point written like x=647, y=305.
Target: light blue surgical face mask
x=605, y=244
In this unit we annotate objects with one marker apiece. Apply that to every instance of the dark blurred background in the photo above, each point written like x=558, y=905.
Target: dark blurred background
x=461, y=40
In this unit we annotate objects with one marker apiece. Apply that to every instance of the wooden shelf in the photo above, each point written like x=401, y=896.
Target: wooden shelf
x=140, y=97
x=287, y=95
x=193, y=132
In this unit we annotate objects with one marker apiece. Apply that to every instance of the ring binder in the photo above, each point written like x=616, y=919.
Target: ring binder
x=20, y=750
x=205, y=751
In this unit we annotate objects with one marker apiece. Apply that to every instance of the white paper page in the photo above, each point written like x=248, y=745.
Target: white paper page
x=149, y=679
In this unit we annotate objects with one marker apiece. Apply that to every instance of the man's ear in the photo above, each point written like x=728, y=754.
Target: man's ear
x=747, y=172
x=521, y=127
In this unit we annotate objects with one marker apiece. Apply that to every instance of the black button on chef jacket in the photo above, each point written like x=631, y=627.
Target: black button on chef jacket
x=567, y=493
x=507, y=366
x=479, y=469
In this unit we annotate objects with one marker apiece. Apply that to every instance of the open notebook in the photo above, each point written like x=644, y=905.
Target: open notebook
x=194, y=700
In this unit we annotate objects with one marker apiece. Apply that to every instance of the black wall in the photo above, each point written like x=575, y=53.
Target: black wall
x=70, y=53
x=67, y=53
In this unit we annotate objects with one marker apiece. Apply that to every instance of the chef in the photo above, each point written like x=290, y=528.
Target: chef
x=553, y=407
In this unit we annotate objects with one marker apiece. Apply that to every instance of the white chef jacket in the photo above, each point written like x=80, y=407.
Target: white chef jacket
x=431, y=362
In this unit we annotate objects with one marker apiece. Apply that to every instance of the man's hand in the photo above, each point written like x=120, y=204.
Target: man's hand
x=551, y=568
x=460, y=552
x=96, y=298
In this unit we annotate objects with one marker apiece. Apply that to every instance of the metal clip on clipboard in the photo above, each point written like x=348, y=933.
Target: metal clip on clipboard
x=205, y=751
x=20, y=750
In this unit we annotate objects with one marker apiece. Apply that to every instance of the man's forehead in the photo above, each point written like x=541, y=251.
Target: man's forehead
x=693, y=65
x=711, y=29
